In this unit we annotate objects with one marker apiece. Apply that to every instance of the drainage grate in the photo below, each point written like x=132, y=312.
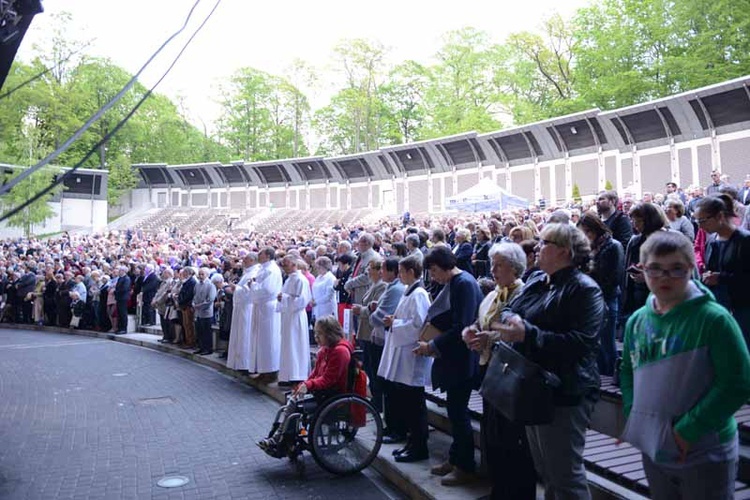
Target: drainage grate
x=164, y=400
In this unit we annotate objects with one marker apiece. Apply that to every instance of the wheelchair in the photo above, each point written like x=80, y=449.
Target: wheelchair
x=343, y=433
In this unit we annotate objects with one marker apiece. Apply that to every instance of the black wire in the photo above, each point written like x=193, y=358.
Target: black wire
x=24, y=174
x=119, y=125
x=41, y=74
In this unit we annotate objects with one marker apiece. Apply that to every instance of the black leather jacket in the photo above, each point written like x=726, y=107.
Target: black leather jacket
x=563, y=316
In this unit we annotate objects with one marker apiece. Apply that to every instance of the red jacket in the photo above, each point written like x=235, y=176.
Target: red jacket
x=699, y=248
x=331, y=368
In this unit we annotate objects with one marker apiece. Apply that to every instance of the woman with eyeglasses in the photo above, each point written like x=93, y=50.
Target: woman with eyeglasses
x=685, y=372
x=727, y=257
x=555, y=324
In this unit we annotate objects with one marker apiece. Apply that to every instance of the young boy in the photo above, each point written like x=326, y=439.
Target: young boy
x=685, y=372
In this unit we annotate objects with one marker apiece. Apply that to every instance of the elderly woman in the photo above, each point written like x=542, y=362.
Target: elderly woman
x=323, y=291
x=159, y=303
x=674, y=209
x=463, y=250
x=554, y=321
x=95, y=296
x=328, y=378
x=505, y=445
x=456, y=368
x=49, y=291
x=480, y=260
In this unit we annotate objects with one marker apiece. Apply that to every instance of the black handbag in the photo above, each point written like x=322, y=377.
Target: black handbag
x=518, y=388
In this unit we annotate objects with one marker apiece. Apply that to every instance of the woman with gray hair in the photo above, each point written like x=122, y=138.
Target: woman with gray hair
x=554, y=322
x=323, y=292
x=674, y=209
x=159, y=303
x=504, y=443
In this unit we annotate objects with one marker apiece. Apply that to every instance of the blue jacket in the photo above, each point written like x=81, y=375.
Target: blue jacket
x=122, y=288
x=387, y=303
x=456, y=366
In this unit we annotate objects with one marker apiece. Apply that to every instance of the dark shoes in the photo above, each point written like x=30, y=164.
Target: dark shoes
x=412, y=455
x=442, y=470
x=203, y=353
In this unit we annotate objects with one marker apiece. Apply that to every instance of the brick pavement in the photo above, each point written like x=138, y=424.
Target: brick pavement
x=89, y=418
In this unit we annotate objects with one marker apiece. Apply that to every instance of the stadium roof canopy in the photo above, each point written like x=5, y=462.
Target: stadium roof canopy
x=720, y=108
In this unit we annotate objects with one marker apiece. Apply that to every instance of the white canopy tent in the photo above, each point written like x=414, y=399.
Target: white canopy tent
x=484, y=197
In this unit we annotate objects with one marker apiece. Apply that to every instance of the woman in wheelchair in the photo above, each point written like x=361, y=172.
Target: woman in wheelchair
x=329, y=378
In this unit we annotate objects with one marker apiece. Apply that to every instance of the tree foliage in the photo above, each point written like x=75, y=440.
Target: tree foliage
x=262, y=116
x=37, y=212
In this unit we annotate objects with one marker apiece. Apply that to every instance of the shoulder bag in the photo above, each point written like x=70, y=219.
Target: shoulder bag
x=518, y=388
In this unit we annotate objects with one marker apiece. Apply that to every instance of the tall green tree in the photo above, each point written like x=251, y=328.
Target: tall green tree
x=404, y=97
x=357, y=118
x=462, y=95
x=259, y=116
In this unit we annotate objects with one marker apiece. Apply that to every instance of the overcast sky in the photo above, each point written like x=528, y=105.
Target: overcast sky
x=270, y=34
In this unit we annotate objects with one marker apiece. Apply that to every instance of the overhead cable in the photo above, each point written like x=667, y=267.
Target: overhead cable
x=108, y=136
x=23, y=175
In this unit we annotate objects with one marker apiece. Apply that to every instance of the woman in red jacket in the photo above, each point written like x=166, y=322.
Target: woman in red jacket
x=328, y=378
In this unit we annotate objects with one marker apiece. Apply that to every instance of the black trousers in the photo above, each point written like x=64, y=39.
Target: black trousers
x=148, y=315
x=509, y=461
x=166, y=328
x=393, y=422
x=372, y=354
x=122, y=316
x=27, y=311
x=410, y=408
x=461, y=453
x=203, y=332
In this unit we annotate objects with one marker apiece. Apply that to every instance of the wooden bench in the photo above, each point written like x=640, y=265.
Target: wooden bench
x=623, y=464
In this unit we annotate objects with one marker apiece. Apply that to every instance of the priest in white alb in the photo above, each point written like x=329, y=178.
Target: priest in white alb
x=265, y=324
x=295, y=341
x=240, y=335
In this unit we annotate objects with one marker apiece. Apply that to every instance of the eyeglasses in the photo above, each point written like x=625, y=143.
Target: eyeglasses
x=546, y=242
x=704, y=219
x=658, y=272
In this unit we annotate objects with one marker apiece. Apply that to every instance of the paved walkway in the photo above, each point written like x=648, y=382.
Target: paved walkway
x=85, y=417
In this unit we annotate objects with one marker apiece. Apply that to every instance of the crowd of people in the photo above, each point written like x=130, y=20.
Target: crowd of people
x=664, y=274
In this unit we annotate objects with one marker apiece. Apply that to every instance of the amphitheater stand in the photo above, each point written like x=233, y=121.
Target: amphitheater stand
x=133, y=218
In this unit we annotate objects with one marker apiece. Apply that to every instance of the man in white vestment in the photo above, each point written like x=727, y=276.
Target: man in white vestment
x=240, y=335
x=265, y=322
x=295, y=341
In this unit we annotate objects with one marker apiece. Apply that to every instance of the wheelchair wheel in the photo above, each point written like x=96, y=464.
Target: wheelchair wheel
x=346, y=435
